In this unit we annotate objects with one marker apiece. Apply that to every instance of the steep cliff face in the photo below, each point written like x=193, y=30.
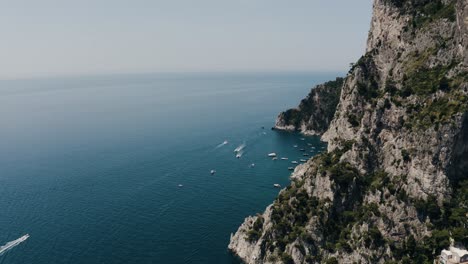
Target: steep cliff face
x=315, y=112
x=393, y=185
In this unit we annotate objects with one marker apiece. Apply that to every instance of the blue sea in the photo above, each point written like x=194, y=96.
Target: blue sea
x=116, y=168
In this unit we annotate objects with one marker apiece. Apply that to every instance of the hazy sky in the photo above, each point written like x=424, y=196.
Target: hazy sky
x=47, y=37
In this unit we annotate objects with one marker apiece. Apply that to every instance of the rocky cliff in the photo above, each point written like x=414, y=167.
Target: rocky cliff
x=315, y=112
x=393, y=185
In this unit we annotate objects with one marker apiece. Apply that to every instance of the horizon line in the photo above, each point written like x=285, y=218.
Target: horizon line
x=130, y=73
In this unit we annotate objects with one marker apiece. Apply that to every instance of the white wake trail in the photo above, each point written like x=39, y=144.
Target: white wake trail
x=222, y=144
x=13, y=244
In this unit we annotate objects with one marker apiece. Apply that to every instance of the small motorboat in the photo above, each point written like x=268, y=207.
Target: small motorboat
x=295, y=146
x=302, y=139
x=284, y=158
x=252, y=165
x=276, y=185
x=212, y=172
x=302, y=149
x=13, y=243
x=239, y=148
x=290, y=168
x=238, y=156
x=294, y=162
x=309, y=144
x=180, y=185
x=305, y=155
x=274, y=158
x=272, y=154
x=303, y=160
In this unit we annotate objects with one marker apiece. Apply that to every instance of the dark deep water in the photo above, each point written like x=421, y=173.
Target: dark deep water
x=90, y=166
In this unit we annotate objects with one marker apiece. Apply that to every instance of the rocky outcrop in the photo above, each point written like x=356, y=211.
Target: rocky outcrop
x=315, y=112
x=392, y=186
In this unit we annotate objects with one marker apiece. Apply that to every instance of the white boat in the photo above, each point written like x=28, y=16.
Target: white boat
x=295, y=146
x=291, y=168
x=180, y=185
x=252, y=165
x=274, y=158
x=239, y=148
x=294, y=162
x=303, y=160
x=225, y=142
x=212, y=172
x=305, y=155
x=238, y=156
x=284, y=158
x=302, y=139
x=272, y=154
x=276, y=185
x=302, y=149
x=13, y=244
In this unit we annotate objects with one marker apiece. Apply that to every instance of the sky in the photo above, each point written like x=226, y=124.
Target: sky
x=64, y=37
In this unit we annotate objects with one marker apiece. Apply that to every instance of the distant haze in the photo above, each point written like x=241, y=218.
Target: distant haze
x=53, y=38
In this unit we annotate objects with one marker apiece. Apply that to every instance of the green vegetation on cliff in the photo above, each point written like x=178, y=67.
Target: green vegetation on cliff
x=294, y=208
x=423, y=81
x=437, y=111
x=317, y=110
x=338, y=219
x=424, y=12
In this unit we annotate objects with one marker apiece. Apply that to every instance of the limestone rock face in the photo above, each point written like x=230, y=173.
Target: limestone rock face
x=392, y=184
x=386, y=120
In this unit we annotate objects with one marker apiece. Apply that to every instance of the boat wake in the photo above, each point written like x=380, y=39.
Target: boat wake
x=222, y=144
x=13, y=244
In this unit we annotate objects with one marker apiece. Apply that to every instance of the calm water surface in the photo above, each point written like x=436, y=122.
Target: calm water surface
x=90, y=167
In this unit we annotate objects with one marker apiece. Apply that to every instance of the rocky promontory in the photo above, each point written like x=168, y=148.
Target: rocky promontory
x=315, y=112
x=393, y=185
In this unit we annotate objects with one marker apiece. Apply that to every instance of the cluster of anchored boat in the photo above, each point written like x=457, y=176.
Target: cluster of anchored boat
x=240, y=149
x=274, y=156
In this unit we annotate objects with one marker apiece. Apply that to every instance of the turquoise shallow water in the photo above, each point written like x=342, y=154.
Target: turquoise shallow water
x=91, y=166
